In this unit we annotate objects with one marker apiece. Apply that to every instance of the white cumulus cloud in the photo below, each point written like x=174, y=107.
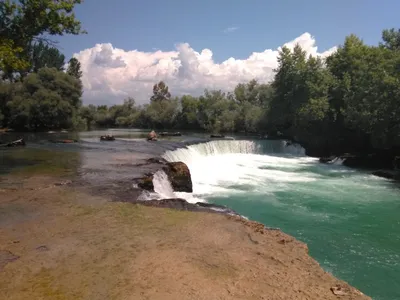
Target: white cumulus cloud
x=111, y=74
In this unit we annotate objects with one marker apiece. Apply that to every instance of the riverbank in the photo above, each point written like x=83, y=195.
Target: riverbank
x=59, y=241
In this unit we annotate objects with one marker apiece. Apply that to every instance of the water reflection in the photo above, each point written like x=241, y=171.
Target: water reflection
x=93, y=161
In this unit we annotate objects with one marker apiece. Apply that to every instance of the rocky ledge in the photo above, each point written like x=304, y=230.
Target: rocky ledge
x=178, y=174
x=182, y=204
x=382, y=166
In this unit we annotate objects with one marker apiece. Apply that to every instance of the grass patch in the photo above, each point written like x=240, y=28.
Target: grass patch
x=82, y=211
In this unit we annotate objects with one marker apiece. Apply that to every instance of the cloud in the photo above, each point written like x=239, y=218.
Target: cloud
x=111, y=74
x=230, y=29
x=106, y=58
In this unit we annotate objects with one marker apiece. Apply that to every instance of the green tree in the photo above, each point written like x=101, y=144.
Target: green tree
x=391, y=39
x=217, y=112
x=49, y=99
x=247, y=92
x=74, y=68
x=253, y=102
x=162, y=114
x=42, y=55
x=366, y=92
x=10, y=57
x=188, y=117
x=160, y=92
x=24, y=21
x=88, y=114
x=290, y=88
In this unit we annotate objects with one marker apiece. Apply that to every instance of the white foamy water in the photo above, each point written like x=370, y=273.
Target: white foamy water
x=162, y=186
x=225, y=167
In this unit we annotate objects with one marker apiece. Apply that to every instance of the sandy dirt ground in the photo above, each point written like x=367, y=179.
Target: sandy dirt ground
x=60, y=242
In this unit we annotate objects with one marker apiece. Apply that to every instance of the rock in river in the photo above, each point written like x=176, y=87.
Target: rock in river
x=107, y=138
x=152, y=136
x=146, y=182
x=17, y=143
x=179, y=176
x=389, y=174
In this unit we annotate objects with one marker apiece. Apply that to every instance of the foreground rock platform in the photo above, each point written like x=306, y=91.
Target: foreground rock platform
x=71, y=244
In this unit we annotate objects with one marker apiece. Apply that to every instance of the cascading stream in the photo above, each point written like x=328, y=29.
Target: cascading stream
x=220, y=165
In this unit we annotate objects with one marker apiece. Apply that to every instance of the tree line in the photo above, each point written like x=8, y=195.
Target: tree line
x=214, y=111
x=349, y=101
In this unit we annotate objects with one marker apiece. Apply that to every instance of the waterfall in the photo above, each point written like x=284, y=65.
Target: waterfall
x=221, y=147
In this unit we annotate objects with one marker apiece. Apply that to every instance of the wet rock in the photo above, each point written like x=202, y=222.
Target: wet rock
x=179, y=175
x=6, y=257
x=182, y=204
x=170, y=134
x=152, y=136
x=327, y=159
x=218, y=208
x=156, y=160
x=396, y=163
x=64, y=141
x=107, y=137
x=66, y=182
x=175, y=203
x=371, y=161
x=339, y=290
x=17, y=143
x=284, y=241
x=220, y=136
x=146, y=183
x=389, y=174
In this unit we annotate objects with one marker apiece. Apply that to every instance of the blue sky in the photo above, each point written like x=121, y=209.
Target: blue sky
x=213, y=44
x=146, y=25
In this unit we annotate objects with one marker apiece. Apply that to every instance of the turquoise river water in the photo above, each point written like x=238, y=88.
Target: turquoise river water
x=349, y=219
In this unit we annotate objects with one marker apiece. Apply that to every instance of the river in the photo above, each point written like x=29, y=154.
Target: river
x=348, y=218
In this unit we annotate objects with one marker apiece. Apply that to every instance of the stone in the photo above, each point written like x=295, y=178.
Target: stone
x=146, y=183
x=107, y=137
x=217, y=136
x=389, y=174
x=396, y=163
x=152, y=136
x=339, y=290
x=17, y=143
x=64, y=141
x=371, y=161
x=6, y=257
x=327, y=160
x=170, y=133
x=179, y=175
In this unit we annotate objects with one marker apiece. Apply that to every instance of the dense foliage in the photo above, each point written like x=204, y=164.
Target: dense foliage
x=44, y=100
x=26, y=22
x=347, y=102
